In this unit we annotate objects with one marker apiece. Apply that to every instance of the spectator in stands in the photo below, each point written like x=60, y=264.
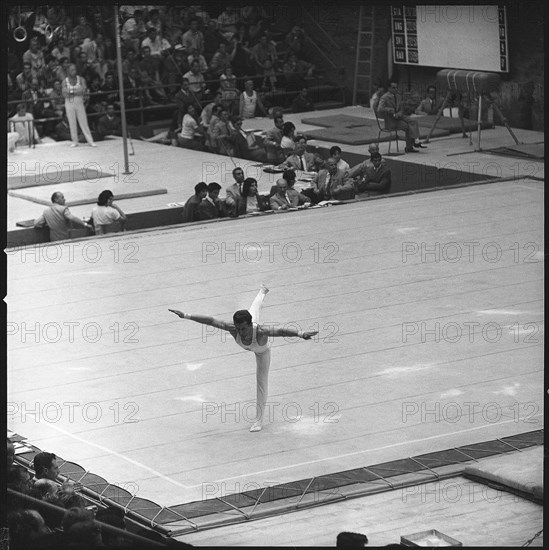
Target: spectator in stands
x=110, y=89
x=244, y=144
x=429, y=105
x=24, y=78
x=61, y=50
x=34, y=99
x=107, y=216
x=27, y=529
x=389, y=109
x=301, y=159
x=269, y=82
x=48, y=490
x=158, y=46
x=197, y=84
x=212, y=38
x=190, y=210
x=287, y=142
x=227, y=22
x=220, y=61
x=295, y=71
x=189, y=128
x=193, y=39
x=18, y=479
x=251, y=201
x=211, y=207
x=59, y=220
x=95, y=102
x=50, y=72
x=263, y=51
x=351, y=541
x=214, y=119
x=206, y=115
x=195, y=56
x=155, y=22
x=295, y=40
x=333, y=184
x=335, y=152
x=45, y=464
x=134, y=31
x=302, y=102
x=173, y=68
x=373, y=177
x=83, y=30
x=220, y=133
x=95, y=52
x=229, y=91
x=129, y=61
x=23, y=124
x=250, y=101
x=35, y=56
x=63, y=132
x=115, y=518
x=184, y=97
x=150, y=74
x=63, y=69
x=100, y=25
x=280, y=200
x=10, y=453
x=240, y=50
x=84, y=67
x=81, y=530
x=109, y=124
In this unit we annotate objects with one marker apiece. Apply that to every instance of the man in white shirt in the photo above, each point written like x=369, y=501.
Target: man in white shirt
x=197, y=84
x=335, y=152
x=159, y=46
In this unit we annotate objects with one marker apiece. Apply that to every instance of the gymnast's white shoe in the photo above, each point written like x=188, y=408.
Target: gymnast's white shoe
x=257, y=426
x=263, y=288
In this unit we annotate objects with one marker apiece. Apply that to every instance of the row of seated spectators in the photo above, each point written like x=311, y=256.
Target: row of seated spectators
x=326, y=180
x=46, y=513
x=160, y=47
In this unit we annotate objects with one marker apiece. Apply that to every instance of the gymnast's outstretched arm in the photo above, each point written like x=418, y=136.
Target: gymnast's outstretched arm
x=281, y=332
x=205, y=320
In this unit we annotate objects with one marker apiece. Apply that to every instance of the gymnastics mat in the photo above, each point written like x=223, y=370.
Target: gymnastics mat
x=522, y=472
x=453, y=125
x=52, y=174
x=46, y=201
x=362, y=135
x=521, y=150
x=344, y=121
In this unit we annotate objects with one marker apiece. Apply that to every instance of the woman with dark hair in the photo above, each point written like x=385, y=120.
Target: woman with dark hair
x=252, y=336
x=107, y=216
x=251, y=201
x=288, y=135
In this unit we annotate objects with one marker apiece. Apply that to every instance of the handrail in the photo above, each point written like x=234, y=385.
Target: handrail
x=304, y=10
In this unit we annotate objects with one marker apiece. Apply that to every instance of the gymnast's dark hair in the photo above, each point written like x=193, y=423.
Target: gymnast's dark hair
x=104, y=197
x=242, y=315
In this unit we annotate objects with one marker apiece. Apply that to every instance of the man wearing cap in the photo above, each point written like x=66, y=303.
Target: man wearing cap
x=374, y=176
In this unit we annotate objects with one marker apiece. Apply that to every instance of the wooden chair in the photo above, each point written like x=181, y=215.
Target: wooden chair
x=393, y=134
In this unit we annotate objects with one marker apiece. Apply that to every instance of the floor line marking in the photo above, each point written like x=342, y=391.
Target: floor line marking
x=360, y=452
x=121, y=456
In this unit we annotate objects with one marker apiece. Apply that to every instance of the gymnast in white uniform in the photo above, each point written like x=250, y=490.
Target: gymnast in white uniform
x=252, y=336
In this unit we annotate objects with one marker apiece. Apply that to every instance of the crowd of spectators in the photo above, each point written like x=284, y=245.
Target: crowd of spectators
x=47, y=512
x=170, y=54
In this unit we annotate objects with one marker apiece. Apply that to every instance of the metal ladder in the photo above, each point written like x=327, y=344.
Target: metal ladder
x=364, y=52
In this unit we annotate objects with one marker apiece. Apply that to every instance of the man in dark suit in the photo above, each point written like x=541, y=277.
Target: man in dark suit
x=331, y=183
x=184, y=98
x=109, y=124
x=190, y=210
x=210, y=207
x=375, y=176
x=390, y=109
x=242, y=148
x=300, y=159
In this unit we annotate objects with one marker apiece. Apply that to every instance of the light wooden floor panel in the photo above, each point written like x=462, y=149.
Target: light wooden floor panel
x=160, y=394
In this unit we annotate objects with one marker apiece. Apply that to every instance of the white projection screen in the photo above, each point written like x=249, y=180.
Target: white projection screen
x=451, y=37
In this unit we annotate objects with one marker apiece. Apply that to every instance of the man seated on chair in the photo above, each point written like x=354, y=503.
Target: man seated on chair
x=372, y=176
x=430, y=105
x=390, y=109
x=331, y=183
x=300, y=159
